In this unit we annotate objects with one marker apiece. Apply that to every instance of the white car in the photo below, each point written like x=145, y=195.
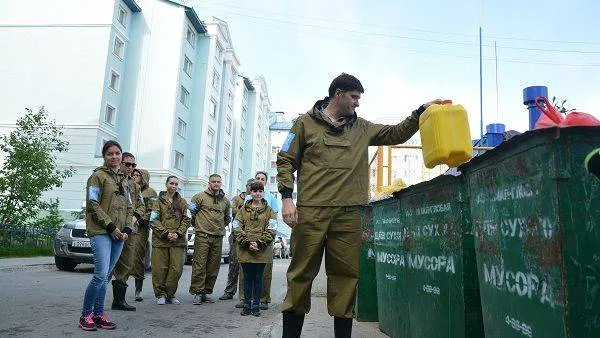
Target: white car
x=72, y=246
x=189, y=252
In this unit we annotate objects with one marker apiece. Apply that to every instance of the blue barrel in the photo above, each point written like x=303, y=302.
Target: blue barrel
x=529, y=95
x=495, y=134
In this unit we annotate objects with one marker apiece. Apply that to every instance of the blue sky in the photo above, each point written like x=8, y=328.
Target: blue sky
x=408, y=52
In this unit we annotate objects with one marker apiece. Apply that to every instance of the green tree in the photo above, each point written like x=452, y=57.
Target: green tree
x=30, y=168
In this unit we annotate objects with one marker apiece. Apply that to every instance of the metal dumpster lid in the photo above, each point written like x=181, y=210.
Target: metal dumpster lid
x=557, y=131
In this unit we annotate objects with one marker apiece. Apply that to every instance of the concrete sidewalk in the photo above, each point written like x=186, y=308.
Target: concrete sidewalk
x=15, y=263
x=319, y=324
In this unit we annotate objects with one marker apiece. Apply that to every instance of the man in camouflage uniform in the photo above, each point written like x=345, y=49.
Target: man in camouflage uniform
x=124, y=264
x=328, y=148
x=211, y=212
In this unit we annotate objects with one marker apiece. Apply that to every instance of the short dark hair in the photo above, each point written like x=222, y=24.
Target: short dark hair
x=256, y=185
x=345, y=82
x=170, y=177
x=109, y=144
x=214, y=175
x=249, y=181
x=261, y=173
x=127, y=154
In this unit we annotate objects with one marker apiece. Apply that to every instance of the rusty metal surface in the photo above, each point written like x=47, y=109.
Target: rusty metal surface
x=536, y=218
x=426, y=268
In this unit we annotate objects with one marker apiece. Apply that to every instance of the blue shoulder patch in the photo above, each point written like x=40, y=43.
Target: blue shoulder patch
x=94, y=193
x=288, y=141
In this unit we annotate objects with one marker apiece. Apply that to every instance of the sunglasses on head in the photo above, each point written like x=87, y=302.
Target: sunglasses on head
x=127, y=164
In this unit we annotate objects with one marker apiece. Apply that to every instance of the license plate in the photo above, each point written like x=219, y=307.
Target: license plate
x=80, y=244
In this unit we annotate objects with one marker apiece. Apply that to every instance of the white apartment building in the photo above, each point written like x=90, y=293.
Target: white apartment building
x=147, y=73
x=251, y=129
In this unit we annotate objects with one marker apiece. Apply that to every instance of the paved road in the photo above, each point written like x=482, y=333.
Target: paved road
x=41, y=301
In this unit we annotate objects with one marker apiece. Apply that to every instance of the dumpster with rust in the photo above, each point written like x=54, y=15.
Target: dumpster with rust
x=366, y=297
x=425, y=251
x=536, y=217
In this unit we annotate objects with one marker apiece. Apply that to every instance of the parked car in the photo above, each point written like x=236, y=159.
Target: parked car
x=189, y=252
x=72, y=246
x=281, y=248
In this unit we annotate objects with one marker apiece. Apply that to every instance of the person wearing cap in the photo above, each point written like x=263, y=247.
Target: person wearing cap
x=328, y=148
x=234, y=267
x=125, y=264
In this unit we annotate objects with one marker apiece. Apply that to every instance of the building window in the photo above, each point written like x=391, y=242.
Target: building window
x=122, y=16
x=244, y=113
x=243, y=136
x=109, y=114
x=228, y=126
x=233, y=76
x=213, y=108
x=274, y=164
x=187, y=66
x=274, y=150
x=240, y=174
x=184, y=97
x=241, y=154
x=119, y=47
x=273, y=179
x=178, y=160
x=230, y=100
x=216, y=80
x=114, y=80
x=210, y=137
x=218, y=52
x=208, y=167
x=190, y=36
x=226, y=150
x=181, y=127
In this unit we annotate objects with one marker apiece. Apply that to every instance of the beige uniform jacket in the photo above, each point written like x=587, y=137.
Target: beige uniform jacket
x=108, y=202
x=167, y=217
x=332, y=161
x=211, y=212
x=255, y=225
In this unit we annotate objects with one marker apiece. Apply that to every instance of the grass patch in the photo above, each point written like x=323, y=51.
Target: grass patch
x=24, y=251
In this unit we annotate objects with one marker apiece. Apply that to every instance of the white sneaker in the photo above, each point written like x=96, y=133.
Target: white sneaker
x=197, y=299
x=173, y=301
x=161, y=301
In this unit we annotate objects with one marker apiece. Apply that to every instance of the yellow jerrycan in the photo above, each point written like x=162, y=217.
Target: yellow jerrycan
x=445, y=135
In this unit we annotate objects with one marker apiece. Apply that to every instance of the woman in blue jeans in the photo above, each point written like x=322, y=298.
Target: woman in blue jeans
x=108, y=220
x=254, y=226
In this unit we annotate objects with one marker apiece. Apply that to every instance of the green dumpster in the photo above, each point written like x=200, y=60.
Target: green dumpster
x=392, y=315
x=536, y=217
x=425, y=250
x=366, y=298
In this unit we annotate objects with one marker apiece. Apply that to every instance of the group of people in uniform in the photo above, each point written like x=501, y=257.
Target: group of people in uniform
x=326, y=148
x=121, y=209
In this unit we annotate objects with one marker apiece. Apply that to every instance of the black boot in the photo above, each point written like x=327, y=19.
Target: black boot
x=292, y=325
x=139, y=283
x=119, y=302
x=342, y=327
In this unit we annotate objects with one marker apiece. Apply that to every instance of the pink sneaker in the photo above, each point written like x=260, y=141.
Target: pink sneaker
x=102, y=322
x=86, y=323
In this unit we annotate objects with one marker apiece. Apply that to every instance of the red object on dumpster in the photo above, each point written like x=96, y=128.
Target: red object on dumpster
x=551, y=117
